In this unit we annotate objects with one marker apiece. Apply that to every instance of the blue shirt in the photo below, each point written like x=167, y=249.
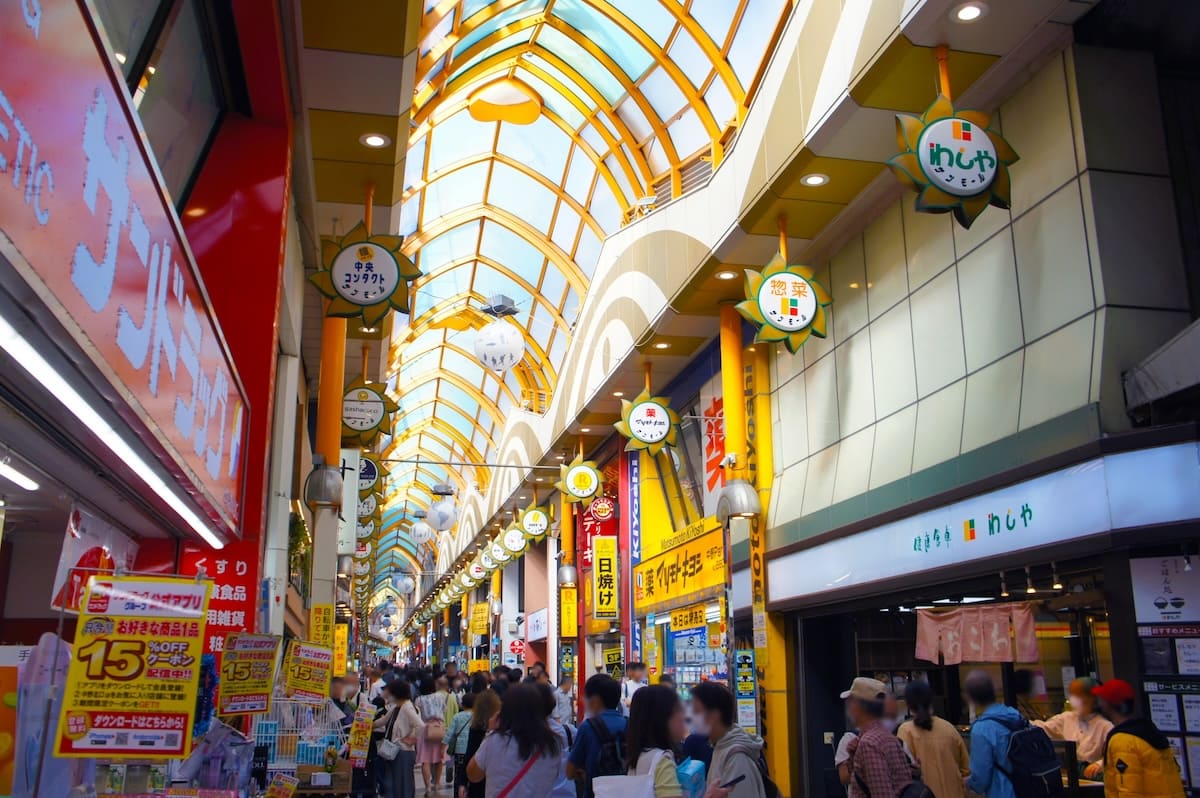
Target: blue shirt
x=586, y=753
x=989, y=751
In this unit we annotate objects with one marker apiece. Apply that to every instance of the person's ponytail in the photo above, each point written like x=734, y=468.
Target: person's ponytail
x=919, y=697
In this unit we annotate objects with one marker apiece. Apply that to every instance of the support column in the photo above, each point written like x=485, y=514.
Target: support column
x=279, y=510
x=732, y=390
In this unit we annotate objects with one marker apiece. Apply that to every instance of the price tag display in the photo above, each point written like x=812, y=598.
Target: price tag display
x=247, y=673
x=282, y=786
x=306, y=672
x=132, y=682
x=360, y=735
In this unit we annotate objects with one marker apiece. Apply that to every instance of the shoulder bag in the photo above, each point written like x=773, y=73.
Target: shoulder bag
x=388, y=749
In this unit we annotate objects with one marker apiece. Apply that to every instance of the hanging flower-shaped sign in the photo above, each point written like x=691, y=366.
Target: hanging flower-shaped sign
x=370, y=474
x=785, y=303
x=362, y=549
x=362, y=568
x=368, y=505
x=649, y=423
x=486, y=560
x=476, y=572
x=954, y=160
x=366, y=410
x=535, y=522
x=467, y=580
x=514, y=540
x=364, y=275
x=364, y=529
x=499, y=553
x=579, y=480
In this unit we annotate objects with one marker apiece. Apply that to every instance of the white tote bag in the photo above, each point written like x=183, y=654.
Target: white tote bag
x=638, y=784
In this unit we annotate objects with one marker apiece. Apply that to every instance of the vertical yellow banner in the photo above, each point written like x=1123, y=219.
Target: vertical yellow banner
x=341, y=643
x=132, y=682
x=568, y=611
x=606, y=601
x=320, y=625
x=481, y=620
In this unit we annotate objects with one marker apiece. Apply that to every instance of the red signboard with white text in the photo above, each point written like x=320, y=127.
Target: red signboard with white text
x=87, y=225
x=600, y=518
x=234, y=571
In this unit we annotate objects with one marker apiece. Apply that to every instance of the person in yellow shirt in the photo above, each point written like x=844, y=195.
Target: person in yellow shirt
x=1083, y=725
x=656, y=730
x=1138, y=760
x=935, y=744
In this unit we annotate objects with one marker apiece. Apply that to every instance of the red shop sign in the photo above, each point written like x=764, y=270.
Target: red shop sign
x=599, y=518
x=234, y=571
x=88, y=227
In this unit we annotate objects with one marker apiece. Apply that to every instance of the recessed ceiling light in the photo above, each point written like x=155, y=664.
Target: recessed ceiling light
x=374, y=140
x=520, y=498
x=368, y=329
x=559, y=457
x=585, y=429
x=854, y=285
x=618, y=394
x=662, y=345
x=814, y=179
x=151, y=69
x=194, y=212
x=120, y=57
x=969, y=12
x=726, y=275
x=539, y=479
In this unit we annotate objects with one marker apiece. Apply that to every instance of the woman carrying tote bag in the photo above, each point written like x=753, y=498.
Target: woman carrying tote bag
x=398, y=746
x=656, y=729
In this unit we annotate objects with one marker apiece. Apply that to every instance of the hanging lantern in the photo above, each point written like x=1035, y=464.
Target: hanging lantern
x=420, y=531
x=443, y=515
x=500, y=345
x=405, y=584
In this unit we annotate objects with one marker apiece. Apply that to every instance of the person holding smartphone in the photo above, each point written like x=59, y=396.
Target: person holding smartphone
x=734, y=771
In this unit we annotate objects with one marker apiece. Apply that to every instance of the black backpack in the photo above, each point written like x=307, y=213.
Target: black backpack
x=612, y=753
x=1034, y=769
x=770, y=788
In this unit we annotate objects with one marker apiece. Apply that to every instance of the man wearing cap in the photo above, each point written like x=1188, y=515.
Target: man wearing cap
x=878, y=765
x=1138, y=761
x=1082, y=725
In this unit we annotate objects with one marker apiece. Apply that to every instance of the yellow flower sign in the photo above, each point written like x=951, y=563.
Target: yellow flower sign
x=580, y=480
x=366, y=410
x=649, y=423
x=786, y=303
x=364, y=275
x=955, y=162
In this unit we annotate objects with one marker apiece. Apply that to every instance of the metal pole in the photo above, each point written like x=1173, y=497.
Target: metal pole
x=426, y=460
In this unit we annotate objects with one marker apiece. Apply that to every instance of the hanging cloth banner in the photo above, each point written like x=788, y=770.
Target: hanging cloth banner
x=135, y=670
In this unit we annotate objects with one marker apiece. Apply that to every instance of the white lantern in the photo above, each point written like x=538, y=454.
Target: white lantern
x=499, y=346
x=421, y=532
x=406, y=585
x=443, y=515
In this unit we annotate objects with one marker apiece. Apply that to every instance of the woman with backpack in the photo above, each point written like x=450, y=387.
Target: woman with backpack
x=935, y=743
x=520, y=758
x=485, y=709
x=434, y=704
x=656, y=729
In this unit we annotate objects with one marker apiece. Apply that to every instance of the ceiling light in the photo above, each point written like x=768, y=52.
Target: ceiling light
x=374, y=140
x=1003, y=586
x=194, y=212
x=969, y=12
x=618, y=394
x=120, y=57
x=726, y=275
x=3, y=502
x=854, y=285
x=1029, y=588
x=368, y=329
x=520, y=498
x=814, y=179
x=662, y=345
x=151, y=69
x=1058, y=585
x=585, y=429
x=560, y=456
x=539, y=479
x=57, y=386
x=16, y=477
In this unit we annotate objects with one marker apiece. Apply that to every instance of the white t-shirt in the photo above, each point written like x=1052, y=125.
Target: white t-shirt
x=842, y=754
x=500, y=760
x=628, y=688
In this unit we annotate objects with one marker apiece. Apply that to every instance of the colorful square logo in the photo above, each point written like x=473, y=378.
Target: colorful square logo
x=969, y=530
x=962, y=131
x=789, y=306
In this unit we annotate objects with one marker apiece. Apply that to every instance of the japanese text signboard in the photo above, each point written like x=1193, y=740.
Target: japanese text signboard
x=745, y=687
x=233, y=570
x=341, y=646
x=131, y=685
x=568, y=616
x=696, y=565
x=89, y=228
x=360, y=735
x=320, y=625
x=598, y=520
x=606, y=601
x=481, y=619
x=248, y=665
x=693, y=617
x=306, y=672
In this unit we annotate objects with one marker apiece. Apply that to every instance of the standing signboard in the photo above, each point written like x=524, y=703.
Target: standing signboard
x=745, y=689
x=248, y=665
x=306, y=672
x=132, y=682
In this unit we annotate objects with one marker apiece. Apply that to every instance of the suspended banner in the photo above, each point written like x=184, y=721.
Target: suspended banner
x=649, y=423
x=248, y=665
x=535, y=522
x=366, y=411
x=568, y=617
x=481, y=619
x=364, y=276
x=953, y=160
x=133, y=678
x=580, y=480
x=606, y=601
x=91, y=547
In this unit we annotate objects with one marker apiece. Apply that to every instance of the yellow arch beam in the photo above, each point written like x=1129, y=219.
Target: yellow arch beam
x=438, y=398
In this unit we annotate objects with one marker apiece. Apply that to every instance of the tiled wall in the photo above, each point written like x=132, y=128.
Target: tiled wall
x=957, y=353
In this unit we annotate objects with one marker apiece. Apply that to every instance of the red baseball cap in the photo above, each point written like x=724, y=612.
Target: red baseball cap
x=1114, y=691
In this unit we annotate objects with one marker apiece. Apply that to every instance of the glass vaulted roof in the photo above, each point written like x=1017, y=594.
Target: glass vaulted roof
x=634, y=94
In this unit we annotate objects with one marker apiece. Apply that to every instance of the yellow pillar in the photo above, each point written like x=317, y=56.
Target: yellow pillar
x=731, y=389
x=566, y=530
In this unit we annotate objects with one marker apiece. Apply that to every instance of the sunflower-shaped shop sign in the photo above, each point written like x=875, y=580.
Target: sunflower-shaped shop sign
x=954, y=160
x=364, y=275
x=579, y=480
x=366, y=410
x=371, y=474
x=649, y=423
x=786, y=303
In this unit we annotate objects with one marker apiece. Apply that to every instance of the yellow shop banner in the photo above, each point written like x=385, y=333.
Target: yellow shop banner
x=606, y=603
x=481, y=619
x=692, y=567
x=568, y=616
x=341, y=643
x=306, y=672
x=248, y=664
x=132, y=682
x=320, y=625
x=692, y=617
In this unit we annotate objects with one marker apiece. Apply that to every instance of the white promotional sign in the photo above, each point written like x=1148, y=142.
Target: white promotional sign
x=787, y=301
x=362, y=409
x=958, y=157
x=535, y=522
x=514, y=540
x=1119, y=491
x=91, y=547
x=582, y=481
x=649, y=422
x=347, y=523
x=537, y=625
x=1164, y=591
x=365, y=274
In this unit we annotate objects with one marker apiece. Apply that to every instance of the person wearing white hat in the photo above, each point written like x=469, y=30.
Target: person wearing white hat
x=878, y=765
